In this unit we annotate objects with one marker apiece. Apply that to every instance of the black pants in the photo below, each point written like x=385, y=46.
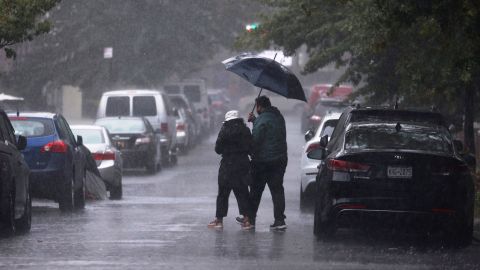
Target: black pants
x=269, y=173
x=231, y=176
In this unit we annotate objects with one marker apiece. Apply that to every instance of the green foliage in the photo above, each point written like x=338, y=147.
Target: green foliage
x=21, y=20
x=425, y=52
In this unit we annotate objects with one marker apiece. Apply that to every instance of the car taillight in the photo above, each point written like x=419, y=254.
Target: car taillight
x=107, y=155
x=164, y=127
x=181, y=127
x=54, y=147
x=346, y=166
x=312, y=146
x=142, y=140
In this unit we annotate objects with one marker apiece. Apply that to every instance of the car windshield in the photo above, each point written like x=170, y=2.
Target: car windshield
x=33, y=127
x=90, y=136
x=387, y=137
x=119, y=125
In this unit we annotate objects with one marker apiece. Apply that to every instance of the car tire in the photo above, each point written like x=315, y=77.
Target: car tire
x=24, y=223
x=8, y=210
x=322, y=229
x=67, y=196
x=79, y=195
x=116, y=192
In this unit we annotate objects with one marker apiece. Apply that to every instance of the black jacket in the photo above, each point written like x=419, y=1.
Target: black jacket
x=234, y=143
x=234, y=139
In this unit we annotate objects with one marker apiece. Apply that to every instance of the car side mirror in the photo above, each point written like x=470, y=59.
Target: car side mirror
x=324, y=141
x=458, y=145
x=309, y=135
x=79, y=140
x=21, y=142
x=318, y=154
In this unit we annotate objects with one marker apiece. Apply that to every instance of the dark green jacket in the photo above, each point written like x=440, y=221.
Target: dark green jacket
x=269, y=136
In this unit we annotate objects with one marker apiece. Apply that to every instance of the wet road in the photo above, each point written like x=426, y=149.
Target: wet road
x=161, y=224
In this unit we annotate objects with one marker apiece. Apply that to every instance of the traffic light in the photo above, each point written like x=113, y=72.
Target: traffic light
x=252, y=27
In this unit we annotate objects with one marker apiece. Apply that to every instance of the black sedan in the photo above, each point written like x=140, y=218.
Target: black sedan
x=136, y=140
x=394, y=173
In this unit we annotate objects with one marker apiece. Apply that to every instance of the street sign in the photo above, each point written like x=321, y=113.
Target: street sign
x=108, y=52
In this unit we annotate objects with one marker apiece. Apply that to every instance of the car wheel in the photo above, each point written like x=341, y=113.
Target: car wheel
x=25, y=222
x=66, y=201
x=79, y=195
x=8, y=210
x=116, y=192
x=323, y=229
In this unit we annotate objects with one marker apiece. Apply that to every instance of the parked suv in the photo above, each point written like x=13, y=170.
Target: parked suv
x=15, y=201
x=57, y=162
x=154, y=106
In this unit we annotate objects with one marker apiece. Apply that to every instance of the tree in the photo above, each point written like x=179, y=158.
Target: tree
x=19, y=21
x=424, y=52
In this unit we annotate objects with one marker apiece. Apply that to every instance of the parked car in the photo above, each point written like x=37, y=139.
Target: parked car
x=185, y=130
x=136, y=140
x=15, y=201
x=151, y=104
x=181, y=101
x=325, y=106
x=57, y=162
x=393, y=172
x=108, y=158
x=196, y=91
x=308, y=166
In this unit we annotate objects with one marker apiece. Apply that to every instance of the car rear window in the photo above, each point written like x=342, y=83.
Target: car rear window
x=118, y=106
x=90, y=136
x=379, y=137
x=33, y=127
x=193, y=93
x=144, y=106
x=326, y=107
x=122, y=125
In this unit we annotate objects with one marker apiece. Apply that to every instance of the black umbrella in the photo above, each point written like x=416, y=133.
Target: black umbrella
x=267, y=74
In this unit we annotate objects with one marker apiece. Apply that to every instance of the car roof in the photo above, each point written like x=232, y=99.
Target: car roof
x=392, y=124
x=33, y=114
x=410, y=115
x=121, y=117
x=128, y=92
x=92, y=127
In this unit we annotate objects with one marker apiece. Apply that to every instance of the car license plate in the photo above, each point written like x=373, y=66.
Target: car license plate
x=399, y=172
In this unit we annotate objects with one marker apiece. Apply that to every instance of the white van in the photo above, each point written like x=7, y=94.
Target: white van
x=151, y=104
x=196, y=92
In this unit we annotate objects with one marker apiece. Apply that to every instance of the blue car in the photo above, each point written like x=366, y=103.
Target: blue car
x=57, y=160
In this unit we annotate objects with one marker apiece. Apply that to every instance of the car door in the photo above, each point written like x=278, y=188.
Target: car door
x=76, y=153
x=19, y=166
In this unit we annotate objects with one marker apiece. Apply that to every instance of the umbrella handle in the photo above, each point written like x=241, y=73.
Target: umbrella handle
x=255, y=103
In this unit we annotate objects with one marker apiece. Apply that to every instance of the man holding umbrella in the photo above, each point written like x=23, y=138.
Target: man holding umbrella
x=269, y=159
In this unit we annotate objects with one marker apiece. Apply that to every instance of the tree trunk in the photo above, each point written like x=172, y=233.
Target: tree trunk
x=469, y=118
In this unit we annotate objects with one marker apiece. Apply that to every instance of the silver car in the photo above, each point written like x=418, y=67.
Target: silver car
x=108, y=158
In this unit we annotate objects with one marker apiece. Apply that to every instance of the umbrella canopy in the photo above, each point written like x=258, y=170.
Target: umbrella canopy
x=267, y=74
x=9, y=97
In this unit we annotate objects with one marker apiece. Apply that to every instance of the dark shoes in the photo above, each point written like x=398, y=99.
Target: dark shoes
x=278, y=225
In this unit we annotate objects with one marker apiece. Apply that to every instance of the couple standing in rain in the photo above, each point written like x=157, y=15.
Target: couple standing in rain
x=267, y=148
